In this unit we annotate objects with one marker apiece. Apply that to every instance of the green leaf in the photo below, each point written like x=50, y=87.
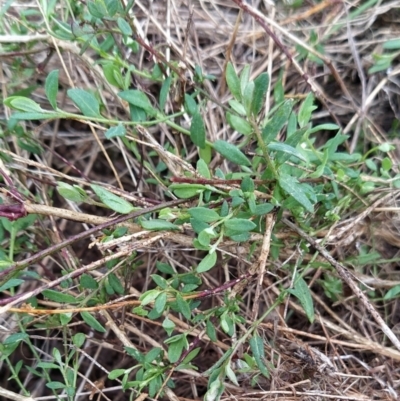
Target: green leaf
x=303, y=294
x=92, y=322
x=114, y=202
x=165, y=268
x=239, y=124
x=381, y=64
x=238, y=237
x=198, y=225
x=158, y=225
x=322, y=127
x=247, y=184
x=198, y=131
x=263, y=208
x=112, y=7
x=332, y=144
x=204, y=214
x=278, y=120
x=231, y=153
x=244, y=80
x=85, y=101
x=47, y=365
x=51, y=88
x=160, y=302
x=231, y=374
x=207, y=263
x=392, y=293
x=149, y=296
x=118, y=130
x=386, y=164
x=97, y=9
x=187, y=288
x=210, y=330
x=306, y=110
x=283, y=147
x=279, y=91
x=55, y=385
x=293, y=140
x=15, y=338
x=88, y=282
x=113, y=74
x=160, y=281
x=248, y=97
x=257, y=348
x=240, y=225
x=224, y=211
x=233, y=81
x=164, y=92
x=191, y=355
x=139, y=99
x=115, y=283
x=134, y=353
x=37, y=116
x=70, y=192
x=290, y=185
x=78, y=339
x=168, y=325
x=204, y=239
x=227, y=324
x=59, y=297
x=22, y=103
x=260, y=89
x=238, y=107
x=124, y=27
x=154, y=386
x=152, y=355
x=114, y=374
x=206, y=153
x=190, y=105
x=215, y=391
x=183, y=307
x=65, y=318
x=186, y=191
x=392, y=44
x=14, y=282
x=175, y=350
x=202, y=168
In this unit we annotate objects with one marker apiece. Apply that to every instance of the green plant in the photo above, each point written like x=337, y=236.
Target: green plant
x=232, y=197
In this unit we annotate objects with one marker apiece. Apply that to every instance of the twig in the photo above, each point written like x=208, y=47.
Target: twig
x=14, y=396
x=262, y=260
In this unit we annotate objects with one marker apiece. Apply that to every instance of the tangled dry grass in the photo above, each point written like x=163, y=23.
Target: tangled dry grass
x=343, y=355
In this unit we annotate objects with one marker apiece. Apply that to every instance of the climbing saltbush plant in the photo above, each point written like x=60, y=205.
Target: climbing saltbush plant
x=274, y=165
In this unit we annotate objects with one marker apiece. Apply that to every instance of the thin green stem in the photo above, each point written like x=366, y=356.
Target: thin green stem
x=263, y=147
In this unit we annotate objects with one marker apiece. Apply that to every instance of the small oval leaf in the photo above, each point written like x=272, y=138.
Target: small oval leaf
x=158, y=225
x=92, y=322
x=303, y=294
x=231, y=153
x=240, y=225
x=112, y=132
x=207, y=263
x=114, y=202
x=203, y=214
x=197, y=131
x=85, y=101
x=139, y=99
x=51, y=88
x=233, y=81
